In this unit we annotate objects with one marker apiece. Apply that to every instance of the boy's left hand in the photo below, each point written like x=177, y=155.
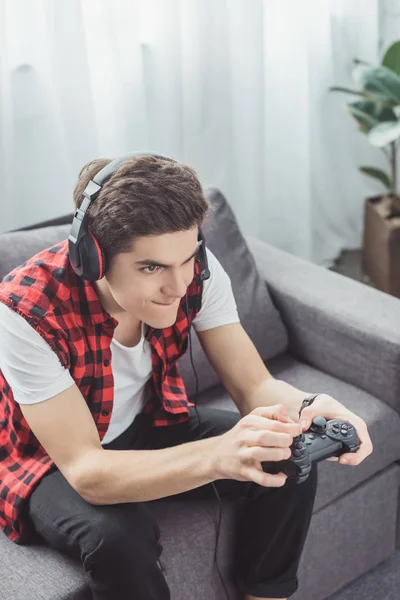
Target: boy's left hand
x=329, y=408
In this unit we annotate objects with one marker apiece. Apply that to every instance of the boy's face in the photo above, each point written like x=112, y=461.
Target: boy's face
x=148, y=282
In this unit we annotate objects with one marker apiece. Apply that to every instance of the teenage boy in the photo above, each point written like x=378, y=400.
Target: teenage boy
x=95, y=419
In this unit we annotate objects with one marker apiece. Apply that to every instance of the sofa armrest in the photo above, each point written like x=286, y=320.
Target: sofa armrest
x=338, y=325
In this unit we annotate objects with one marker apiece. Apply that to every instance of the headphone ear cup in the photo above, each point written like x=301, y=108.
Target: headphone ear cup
x=92, y=258
x=102, y=271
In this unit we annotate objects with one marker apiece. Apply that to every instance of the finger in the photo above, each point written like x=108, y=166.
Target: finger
x=258, y=422
x=365, y=449
x=353, y=458
x=268, y=439
x=264, y=479
x=287, y=419
x=265, y=454
x=349, y=459
x=278, y=412
x=334, y=458
x=305, y=424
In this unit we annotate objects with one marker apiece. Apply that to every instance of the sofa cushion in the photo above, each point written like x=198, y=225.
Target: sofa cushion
x=257, y=313
x=38, y=572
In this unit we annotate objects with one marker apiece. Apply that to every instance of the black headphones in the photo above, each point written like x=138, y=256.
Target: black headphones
x=85, y=254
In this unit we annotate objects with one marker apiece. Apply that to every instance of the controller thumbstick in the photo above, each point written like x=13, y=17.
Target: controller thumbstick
x=319, y=424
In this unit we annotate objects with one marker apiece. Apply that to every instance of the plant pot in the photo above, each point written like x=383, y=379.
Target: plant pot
x=381, y=245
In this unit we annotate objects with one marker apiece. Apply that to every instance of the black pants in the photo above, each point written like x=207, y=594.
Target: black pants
x=119, y=544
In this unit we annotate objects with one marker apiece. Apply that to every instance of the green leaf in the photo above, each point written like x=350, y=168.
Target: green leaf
x=368, y=114
x=347, y=90
x=384, y=133
x=391, y=60
x=381, y=84
x=378, y=174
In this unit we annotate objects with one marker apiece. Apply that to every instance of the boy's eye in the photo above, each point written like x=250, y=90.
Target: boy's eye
x=150, y=269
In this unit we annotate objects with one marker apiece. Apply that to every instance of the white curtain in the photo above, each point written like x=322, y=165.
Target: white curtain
x=236, y=88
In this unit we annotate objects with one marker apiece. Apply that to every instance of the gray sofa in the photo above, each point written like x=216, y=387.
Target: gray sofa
x=315, y=329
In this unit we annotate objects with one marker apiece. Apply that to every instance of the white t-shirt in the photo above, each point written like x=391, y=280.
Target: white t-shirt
x=34, y=372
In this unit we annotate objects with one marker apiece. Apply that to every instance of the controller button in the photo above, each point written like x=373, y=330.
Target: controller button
x=319, y=424
x=311, y=436
x=308, y=443
x=344, y=432
x=323, y=437
x=345, y=426
x=298, y=445
x=297, y=452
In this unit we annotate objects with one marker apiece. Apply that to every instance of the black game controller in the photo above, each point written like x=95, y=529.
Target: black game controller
x=323, y=440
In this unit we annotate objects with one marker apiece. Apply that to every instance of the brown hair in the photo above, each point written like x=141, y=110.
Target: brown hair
x=145, y=196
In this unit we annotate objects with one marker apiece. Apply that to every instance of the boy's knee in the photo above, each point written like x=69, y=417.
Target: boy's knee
x=127, y=530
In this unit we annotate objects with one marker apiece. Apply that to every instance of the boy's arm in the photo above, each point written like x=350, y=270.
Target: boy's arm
x=66, y=429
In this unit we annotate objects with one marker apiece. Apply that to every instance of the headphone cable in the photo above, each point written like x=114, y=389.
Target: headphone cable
x=212, y=483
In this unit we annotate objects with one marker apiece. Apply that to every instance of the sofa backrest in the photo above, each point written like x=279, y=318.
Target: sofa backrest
x=257, y=313
x=18, y=246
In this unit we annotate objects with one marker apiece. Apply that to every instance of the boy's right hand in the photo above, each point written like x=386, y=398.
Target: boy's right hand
x=265, y=434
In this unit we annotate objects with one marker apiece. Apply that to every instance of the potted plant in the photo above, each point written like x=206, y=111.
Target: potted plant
x=377, y=113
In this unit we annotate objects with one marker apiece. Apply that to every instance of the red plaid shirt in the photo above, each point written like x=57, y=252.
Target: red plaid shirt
x=65, y=310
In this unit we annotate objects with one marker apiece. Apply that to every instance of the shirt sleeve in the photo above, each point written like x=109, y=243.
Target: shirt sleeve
x=218, y=302
x=30, y=366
